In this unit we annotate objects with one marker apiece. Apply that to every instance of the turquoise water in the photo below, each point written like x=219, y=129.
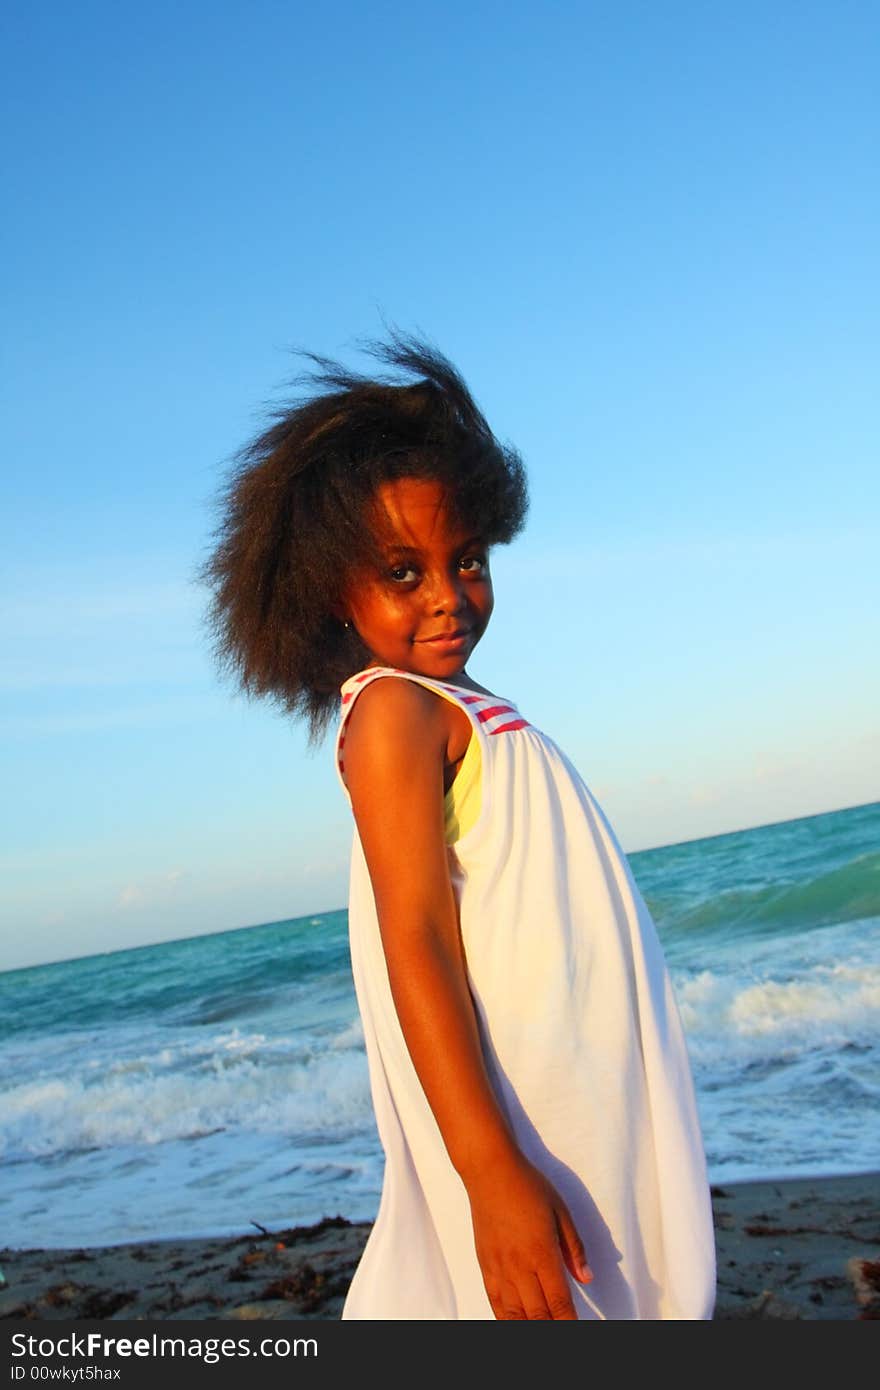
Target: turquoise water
x=201, y=1085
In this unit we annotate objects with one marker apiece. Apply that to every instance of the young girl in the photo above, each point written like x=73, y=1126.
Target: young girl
x=527, y=1064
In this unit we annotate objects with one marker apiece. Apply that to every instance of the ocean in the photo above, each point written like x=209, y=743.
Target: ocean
x=203, y=1085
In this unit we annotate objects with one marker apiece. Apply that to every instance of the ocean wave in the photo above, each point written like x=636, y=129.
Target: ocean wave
x=732, y=1020
x=846, y=893
x=185, y=1092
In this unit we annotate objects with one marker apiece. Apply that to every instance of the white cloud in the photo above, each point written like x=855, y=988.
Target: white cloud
x=704, y=796
x=156, y=890
x=768, y=768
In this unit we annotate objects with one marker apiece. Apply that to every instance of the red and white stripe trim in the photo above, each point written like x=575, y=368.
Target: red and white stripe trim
x=495, y=716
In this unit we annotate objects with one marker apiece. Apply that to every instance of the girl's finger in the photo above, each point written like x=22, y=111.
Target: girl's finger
x=534, y=1302
x=555, y=1289
x=493, y=1293
x=571, y=1244
x=511, y=1304
x=555, y=1293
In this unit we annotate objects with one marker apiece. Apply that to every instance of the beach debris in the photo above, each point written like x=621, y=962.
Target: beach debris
x=296, y=1234
x=253, y=1257
x=760, y=1229
x=17, y=1308
x=105, y=1303
x=825, y=1230
x=60, y=1295
x=308, y=1287
x=258, y=1312
x=766, y=1305
x=864, y=1275
x=85, y=1301
x=187, y=1298
x=829, y=1282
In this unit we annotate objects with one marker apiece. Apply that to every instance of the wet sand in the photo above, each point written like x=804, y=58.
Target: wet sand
x=798, y=1248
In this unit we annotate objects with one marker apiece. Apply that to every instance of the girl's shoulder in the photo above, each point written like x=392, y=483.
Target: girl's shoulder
x=454, y=704
x=463, y=705
x=402, y=721
x=384, y=698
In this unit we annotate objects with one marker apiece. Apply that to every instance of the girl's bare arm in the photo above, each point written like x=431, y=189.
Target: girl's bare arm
x=394, y=759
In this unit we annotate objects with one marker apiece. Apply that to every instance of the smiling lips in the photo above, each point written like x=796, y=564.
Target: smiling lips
x=458, y=635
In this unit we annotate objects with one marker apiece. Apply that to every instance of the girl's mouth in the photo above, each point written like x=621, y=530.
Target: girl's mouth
x=449, y=641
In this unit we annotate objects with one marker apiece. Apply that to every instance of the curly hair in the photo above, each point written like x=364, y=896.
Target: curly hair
x=295, y=515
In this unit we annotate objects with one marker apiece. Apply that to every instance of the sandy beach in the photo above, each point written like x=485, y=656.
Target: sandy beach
x=799, y=1248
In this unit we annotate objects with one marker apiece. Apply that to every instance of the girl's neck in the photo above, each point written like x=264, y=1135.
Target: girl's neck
x=467, y=684
x=462, y=679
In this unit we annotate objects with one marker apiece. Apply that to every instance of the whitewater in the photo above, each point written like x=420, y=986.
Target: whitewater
x=199, y=1086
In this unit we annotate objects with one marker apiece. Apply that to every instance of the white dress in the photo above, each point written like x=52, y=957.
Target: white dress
x=582, y=1040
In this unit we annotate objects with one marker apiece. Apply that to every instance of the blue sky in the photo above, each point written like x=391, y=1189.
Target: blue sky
x=647, y=235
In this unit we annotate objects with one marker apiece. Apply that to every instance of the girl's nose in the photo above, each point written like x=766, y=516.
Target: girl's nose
x=449, y=594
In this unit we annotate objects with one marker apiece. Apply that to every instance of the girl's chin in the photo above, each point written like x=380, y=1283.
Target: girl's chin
x=445, y=656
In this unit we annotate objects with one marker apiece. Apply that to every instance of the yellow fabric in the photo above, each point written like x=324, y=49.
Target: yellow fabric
x=462, y=801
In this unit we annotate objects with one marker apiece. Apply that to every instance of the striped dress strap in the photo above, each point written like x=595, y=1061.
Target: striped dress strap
x=494, y=715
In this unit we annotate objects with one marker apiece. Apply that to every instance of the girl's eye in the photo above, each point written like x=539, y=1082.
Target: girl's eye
x=407, y=574
x=401, y=574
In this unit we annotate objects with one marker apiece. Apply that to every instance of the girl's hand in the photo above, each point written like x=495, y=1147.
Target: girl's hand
x=525, y=1238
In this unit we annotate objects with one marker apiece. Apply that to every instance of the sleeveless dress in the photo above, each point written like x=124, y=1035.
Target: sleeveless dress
x=581, y=1036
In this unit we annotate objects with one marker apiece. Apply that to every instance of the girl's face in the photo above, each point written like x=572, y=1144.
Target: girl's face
x=429, y=604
